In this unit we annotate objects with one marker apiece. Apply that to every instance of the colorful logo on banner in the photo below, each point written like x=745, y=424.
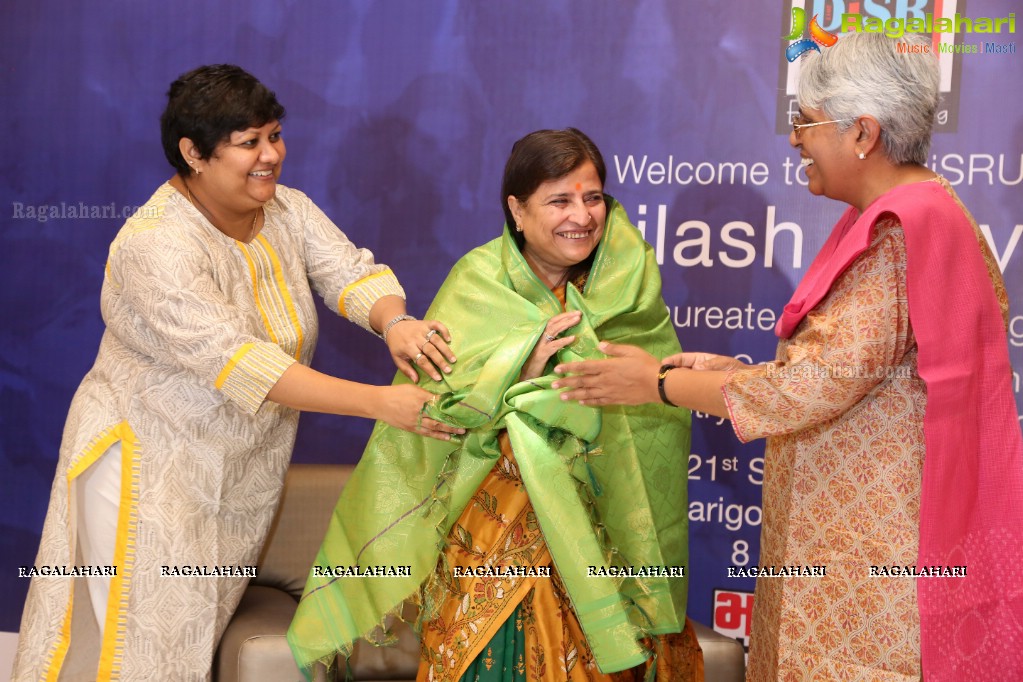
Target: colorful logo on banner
x=733, y=614
x=830, y=18
x=818, y=36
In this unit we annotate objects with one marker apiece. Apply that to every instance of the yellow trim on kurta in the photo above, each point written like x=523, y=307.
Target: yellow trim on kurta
x=93, y=451
x=255, y=375
x=255, y=291
x=232, y=363
x=56, y=657
x=276, y=307
x=353, y=285
x=112, y=650
x=113, y=639
x=289, y=305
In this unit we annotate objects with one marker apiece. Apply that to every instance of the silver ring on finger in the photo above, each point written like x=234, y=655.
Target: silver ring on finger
x=417, y=358
x=429, y=335
x=549, y=338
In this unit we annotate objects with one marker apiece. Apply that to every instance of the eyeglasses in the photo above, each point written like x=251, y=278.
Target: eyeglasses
x=798, y=125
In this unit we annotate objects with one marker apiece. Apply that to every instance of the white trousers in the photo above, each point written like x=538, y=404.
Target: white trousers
x=99, y=501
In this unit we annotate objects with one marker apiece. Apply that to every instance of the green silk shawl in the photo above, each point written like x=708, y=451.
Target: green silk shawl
x=608, y=484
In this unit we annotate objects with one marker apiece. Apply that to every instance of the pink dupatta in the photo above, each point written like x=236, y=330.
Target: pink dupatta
x=971, y=509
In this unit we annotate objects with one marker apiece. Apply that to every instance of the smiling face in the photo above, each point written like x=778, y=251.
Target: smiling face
x=241, y=175
x=562, y=222
x=827, y=154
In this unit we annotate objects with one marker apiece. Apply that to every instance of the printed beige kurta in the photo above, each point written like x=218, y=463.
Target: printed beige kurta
x=199, y=327
x=843, y=409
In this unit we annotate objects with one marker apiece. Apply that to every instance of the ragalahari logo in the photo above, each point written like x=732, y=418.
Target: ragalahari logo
x=818, y=36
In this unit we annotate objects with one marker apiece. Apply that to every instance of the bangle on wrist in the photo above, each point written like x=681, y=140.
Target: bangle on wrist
x=661, y=376
x=394, y=321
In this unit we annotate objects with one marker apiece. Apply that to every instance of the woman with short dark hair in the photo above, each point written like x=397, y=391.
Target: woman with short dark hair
x=179, y=437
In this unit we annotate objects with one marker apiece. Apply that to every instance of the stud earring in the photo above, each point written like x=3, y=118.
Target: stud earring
x=862, y=156
x=518, y=228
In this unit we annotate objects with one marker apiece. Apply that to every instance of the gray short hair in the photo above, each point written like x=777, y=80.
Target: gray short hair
x=869, y=74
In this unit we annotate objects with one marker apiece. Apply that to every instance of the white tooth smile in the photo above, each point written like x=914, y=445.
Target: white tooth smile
x=804, y=162
x=574, y=235
x=261, y=174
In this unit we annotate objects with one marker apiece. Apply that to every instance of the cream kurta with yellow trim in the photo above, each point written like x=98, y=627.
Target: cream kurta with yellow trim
x=199, y=328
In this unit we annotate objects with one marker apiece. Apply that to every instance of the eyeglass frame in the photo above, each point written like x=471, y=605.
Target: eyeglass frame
x=798, y=127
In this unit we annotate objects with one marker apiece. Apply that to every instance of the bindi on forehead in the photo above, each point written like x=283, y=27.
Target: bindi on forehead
x=578, y=186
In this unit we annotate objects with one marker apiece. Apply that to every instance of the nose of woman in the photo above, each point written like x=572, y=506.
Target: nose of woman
x=269, y=153
x=583, y=216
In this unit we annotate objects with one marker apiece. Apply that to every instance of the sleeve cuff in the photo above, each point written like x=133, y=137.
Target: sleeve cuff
x=358, y=298
x=251, y=372
x=732, y=413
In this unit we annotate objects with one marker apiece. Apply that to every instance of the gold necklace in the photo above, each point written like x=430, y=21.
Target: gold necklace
x=209, y=214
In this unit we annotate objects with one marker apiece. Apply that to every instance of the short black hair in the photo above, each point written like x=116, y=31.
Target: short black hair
x=209, y=103
x=541, y=156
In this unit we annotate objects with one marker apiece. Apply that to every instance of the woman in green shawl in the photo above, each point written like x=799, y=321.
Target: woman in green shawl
x=550, y=542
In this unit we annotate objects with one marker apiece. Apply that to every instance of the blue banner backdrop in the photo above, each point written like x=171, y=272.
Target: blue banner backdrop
x=400, y=116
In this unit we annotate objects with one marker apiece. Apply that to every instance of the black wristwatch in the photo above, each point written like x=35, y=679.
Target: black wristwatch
x=661, y=376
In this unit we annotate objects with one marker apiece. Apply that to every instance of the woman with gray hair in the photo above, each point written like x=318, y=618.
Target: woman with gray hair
x=892, y=351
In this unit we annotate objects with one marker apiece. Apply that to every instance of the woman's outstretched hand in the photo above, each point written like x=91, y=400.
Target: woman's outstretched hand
x=402, y=407
x=423, y=343
x=628, y=376
x=704, y=361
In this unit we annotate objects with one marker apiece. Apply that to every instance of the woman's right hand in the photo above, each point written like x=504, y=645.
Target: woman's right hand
x=401, y=406
x=550, y=342
x=704, y=361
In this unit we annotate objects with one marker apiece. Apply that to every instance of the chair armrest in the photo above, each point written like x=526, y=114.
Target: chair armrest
x=723, y=657
x=254, y=647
